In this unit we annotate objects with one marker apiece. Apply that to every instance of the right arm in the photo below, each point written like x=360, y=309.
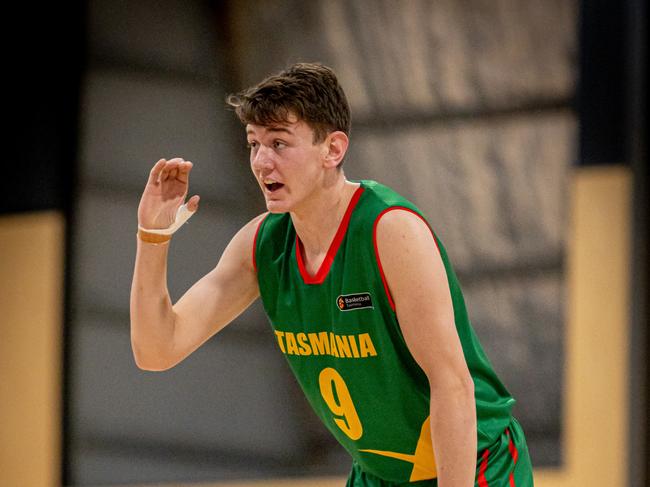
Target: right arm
x=162, y=334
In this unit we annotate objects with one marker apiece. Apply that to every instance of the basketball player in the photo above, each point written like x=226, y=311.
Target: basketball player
x=359, y=290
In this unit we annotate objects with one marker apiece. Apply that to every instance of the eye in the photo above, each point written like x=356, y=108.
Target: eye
x=251, y=145
x=278, y=144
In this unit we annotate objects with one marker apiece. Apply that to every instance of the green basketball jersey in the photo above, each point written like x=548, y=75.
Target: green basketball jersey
x=340, y=334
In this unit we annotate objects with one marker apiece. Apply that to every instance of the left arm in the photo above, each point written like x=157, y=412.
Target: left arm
x=417, y=282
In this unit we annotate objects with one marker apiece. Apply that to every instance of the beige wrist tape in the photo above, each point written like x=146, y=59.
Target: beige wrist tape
x=159, y=235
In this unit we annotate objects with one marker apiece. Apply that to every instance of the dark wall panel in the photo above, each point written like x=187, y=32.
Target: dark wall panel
x=603, y=83
x=46, y=48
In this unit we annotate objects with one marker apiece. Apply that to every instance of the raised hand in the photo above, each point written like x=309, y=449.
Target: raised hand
x=165, y=191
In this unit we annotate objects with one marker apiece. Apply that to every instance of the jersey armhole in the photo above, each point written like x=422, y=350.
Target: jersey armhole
x=374, y=243
x=259, y=226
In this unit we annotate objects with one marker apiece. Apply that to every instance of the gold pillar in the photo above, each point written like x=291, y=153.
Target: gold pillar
x=31, y=304
x=597, y=331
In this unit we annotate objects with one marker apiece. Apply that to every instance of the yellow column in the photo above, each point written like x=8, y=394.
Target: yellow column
x=597, y=334
x=31, y=299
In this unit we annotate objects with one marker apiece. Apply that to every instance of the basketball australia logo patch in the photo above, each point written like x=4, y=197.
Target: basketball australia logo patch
x=349, y=302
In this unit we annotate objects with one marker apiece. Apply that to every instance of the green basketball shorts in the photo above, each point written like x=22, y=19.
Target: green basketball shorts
x=505, y=464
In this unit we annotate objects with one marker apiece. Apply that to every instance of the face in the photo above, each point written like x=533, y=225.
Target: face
x=286, y=163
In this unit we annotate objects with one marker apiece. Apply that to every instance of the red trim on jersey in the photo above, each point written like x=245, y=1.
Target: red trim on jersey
x=374, y=242
x=515, y=455
x=325, y=266
x=482, y=481
x=259, y=225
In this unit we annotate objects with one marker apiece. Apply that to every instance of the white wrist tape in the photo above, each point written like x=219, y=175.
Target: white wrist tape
x=182, y=215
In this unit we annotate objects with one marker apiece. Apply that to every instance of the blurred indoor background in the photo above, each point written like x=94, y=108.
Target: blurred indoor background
x=515, y=125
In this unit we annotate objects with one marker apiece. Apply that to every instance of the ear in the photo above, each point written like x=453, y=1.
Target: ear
x=335, y=147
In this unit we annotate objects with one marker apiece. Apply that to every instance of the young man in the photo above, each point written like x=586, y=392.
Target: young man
x=359, y=290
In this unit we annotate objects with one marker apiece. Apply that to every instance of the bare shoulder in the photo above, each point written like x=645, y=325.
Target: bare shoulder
x=400, y=228
x=408, y=255
x=241, y=246
x=251, y=227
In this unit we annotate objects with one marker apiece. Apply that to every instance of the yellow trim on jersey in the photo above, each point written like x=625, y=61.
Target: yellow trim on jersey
x=423, y=460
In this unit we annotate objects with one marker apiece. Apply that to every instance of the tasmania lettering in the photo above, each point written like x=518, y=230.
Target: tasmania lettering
x=326, y=343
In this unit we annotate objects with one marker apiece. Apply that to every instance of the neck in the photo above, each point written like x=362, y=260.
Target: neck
x=317, y=221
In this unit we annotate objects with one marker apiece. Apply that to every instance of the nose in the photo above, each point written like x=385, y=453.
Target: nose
x=262, y=158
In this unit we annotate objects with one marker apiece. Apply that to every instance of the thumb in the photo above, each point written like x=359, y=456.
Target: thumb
x=193, y=203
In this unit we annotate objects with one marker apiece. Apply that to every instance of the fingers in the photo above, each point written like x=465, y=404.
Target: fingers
x=171, y=169
x=164, y=169
x=154, y=174
x=193, y=203
x=184, y=169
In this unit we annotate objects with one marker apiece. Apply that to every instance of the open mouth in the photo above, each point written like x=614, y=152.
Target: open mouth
x=273, y=186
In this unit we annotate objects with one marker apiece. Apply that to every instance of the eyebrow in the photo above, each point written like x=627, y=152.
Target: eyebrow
x=273, y=129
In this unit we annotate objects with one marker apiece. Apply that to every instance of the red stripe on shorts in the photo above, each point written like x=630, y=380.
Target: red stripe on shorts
x=482, y=482
x=515, y=455
x=512, y=447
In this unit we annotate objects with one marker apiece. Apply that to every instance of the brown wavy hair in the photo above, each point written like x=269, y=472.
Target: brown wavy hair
x=308, y=90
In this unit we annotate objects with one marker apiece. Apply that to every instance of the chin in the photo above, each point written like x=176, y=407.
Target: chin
x=276, y=211
x=276, y=207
